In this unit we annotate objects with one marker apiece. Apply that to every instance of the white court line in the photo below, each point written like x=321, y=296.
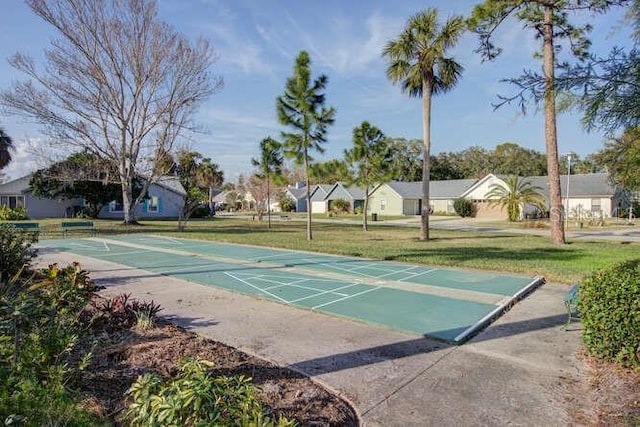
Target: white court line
x=332, y=291
x=257, y=288
x=280, y=284
x=406, y=270
x=160, y=238
x=269, y=256
x=346, y=270
x=347, y=297
x=80, y=245
x=104, y=242
x=411, y=276
x=187, y=267
x=123, y=253
x=309, y=288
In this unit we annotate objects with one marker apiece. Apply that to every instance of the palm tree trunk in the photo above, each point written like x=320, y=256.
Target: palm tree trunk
x=550, y=132
x=426, y=158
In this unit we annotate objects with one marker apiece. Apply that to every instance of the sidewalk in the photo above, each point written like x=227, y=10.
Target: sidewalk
x=512, y=373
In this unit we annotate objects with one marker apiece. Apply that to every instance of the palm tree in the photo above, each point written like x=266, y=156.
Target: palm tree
x=6, y=146
x=269, y=164
x=210, y=176
x=302, y=109
x=515, y=195
x=418, y=61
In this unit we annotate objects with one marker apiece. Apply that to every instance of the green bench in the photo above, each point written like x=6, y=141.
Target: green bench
x=571, y=300
x=32, y=227
x=80, y=226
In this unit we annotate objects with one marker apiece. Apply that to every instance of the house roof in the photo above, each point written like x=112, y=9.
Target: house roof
x=446, y=189
x=580, y=185
x=16, y=186
x=21, y=185
x=171, y=183
x=352, y=192
x=297, y=193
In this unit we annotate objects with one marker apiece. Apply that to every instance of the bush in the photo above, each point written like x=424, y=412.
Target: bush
x=287, y=205
x=16, y=250
x=463, y=207
x=194, y=397
x=610, y=310
x=120, y=312
x=16, y=214
x=340, y=206
x=40, y=329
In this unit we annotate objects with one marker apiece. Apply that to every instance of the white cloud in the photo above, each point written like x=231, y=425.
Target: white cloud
x=23, y=161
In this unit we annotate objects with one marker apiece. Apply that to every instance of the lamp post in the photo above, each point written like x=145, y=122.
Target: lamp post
x=566, y=211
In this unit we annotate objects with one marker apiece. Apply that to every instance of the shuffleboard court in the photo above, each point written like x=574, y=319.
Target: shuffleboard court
x=446, y=304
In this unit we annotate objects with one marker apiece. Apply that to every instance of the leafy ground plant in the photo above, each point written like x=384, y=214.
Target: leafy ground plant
x=194, y=397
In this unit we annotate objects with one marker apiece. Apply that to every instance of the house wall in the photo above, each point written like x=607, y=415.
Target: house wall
x=385, y=201
x=442, y=205
x=486, y=210
x=585, y=206
x=411, y=206
x=48, y=208
x=170, y=205
x=482, y=189
x=319, y=206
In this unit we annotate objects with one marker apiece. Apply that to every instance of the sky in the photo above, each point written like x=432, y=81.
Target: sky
x=257, y=42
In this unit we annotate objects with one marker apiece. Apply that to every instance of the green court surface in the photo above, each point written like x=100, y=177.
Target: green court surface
x=446, y=304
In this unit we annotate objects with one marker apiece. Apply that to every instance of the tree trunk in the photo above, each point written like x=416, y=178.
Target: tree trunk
x=306, y=173
x=365, y=208
x=128, y=204
x=550, y=132
x=426, y=160
x=268, y=205
x=211, y=207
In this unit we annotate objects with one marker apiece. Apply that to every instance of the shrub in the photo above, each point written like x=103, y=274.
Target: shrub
x=40, y=328
x=16, y=250
x=120, y=312
x=194, y=397
x=287, y=205
x=340, y=206
x=16, y=214
x=463, y=207
x=610, y=309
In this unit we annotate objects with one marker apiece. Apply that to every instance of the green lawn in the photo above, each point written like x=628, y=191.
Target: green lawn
x=523, y=254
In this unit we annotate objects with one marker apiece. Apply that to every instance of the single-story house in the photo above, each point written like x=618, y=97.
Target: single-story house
x=17, y=193
x=166, y=199
x=319, y=192
x=298, y=195
x=582, y=194
x=354, y=195
x=587, y=193
x=405, y=198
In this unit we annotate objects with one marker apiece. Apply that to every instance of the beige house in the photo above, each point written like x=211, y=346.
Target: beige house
x=405, y=198
x=583, y=195
x=588, y=194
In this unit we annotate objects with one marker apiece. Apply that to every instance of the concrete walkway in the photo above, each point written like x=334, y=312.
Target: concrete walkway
x=512, y=373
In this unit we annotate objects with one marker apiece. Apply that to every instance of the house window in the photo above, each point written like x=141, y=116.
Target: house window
x=116, y=206
x=12, y=202
x=595, y=205
x=450, y=207
x=153, y=204
x=383, y=205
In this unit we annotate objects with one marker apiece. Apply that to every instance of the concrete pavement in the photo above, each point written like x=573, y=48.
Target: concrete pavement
x=512, y=373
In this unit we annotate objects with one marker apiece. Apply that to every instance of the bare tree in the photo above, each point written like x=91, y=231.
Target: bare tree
x=118, y=82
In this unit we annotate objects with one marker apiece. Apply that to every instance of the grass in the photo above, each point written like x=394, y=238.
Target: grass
x=504, y=252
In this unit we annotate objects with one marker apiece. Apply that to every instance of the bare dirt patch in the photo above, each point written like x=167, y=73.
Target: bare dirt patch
x=605, y=395
x=124, y=355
